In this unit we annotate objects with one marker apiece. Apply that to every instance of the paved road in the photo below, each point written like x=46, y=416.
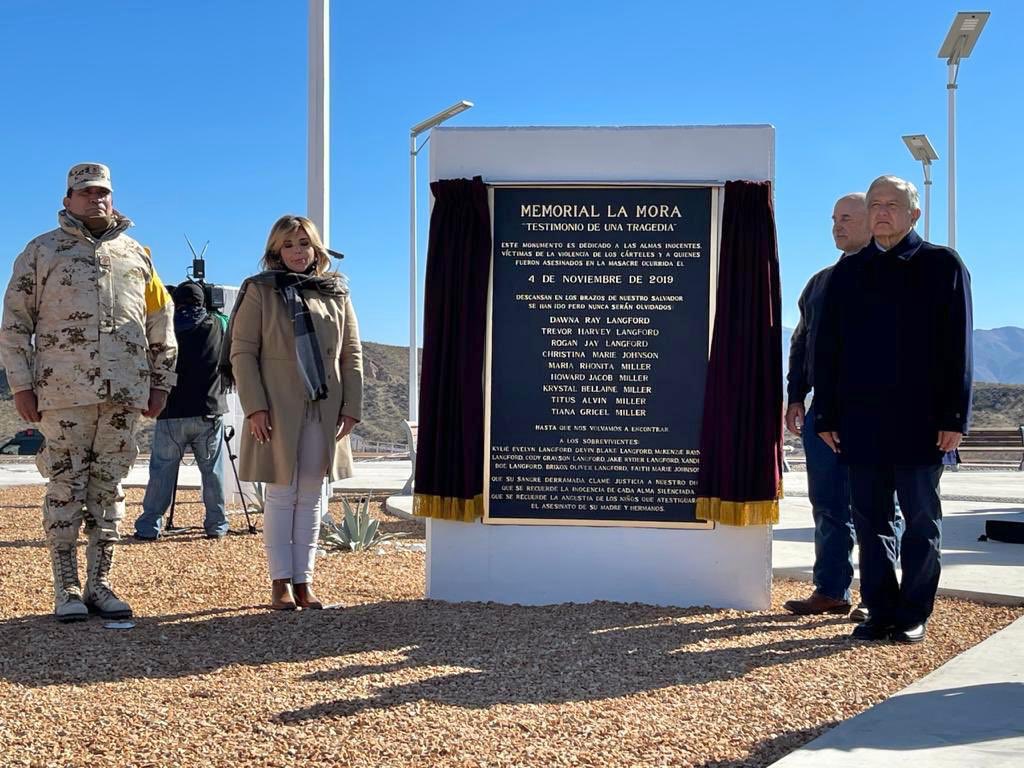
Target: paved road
x=376, y=476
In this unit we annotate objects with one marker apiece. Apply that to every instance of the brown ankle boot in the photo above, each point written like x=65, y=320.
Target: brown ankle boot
x=281, y=595
x=304, y=597
x=817, y=603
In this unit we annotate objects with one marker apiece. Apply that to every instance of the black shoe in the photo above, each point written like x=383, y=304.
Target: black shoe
x=139, y=537
x=860, y=613
x=871, y=630
x=216, y=536
x=909, y=636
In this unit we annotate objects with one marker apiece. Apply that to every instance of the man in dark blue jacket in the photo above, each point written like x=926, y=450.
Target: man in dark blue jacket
x=892, y=374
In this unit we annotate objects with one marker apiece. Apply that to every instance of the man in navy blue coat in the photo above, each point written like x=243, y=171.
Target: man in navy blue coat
x=892, y=373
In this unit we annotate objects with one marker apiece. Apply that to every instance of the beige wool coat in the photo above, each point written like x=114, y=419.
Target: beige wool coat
x=266, y=372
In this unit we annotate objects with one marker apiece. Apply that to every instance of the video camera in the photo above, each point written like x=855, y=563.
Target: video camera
x=213, y=295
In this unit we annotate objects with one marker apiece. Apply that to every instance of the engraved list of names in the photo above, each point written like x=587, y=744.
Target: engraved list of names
x=599, y=339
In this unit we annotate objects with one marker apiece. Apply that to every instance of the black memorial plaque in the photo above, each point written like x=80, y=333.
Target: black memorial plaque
x=599, y=341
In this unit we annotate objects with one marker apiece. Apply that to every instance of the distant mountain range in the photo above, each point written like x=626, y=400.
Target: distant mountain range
x=998, y=354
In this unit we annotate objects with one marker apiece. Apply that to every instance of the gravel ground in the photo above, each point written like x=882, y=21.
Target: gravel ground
x=208, y=677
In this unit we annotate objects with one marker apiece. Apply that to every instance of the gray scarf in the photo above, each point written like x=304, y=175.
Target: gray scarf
x=307, y=349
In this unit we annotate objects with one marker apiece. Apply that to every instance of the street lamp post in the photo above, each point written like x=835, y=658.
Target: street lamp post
x=318, y=180
x=921, y=149
x=318, y=124
x=959, y=43
x=414, y=132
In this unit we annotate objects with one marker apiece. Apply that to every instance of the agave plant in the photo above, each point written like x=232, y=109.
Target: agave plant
x=258, y=497
x=356, y=531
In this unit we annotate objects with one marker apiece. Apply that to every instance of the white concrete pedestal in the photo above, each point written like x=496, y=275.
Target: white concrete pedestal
x=536, y=565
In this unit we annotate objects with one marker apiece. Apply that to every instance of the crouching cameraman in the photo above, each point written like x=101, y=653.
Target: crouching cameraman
x=192, y=418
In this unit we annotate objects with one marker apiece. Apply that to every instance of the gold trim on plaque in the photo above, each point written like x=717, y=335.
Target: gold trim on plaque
x=702, y=522
x=697, y=525
x=709, y=184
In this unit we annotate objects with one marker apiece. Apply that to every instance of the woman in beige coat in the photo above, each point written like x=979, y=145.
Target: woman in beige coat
x=298, y=366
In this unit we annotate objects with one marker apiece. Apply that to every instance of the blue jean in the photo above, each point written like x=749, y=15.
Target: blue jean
x=892, y=602
x=829, y=491
x=170, y=439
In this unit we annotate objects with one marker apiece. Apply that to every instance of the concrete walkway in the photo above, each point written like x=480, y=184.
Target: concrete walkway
x=376, y=477
x=968, y=713
x=978, y=570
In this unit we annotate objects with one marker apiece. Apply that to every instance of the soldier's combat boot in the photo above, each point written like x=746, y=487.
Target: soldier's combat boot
x=99, y=597
x=67, y=590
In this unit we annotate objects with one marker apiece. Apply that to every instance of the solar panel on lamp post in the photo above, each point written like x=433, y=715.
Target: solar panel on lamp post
x=921, y=149
x=959, y=43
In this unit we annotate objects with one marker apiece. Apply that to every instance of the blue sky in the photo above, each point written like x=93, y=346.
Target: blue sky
x=200, y=110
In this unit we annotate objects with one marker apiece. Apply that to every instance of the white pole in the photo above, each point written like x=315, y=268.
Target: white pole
x=927, y=208
x=415, y=131
x=928, y=199
x=318, y=119
x=413, y=356
x=318, y=152
x=951, y=89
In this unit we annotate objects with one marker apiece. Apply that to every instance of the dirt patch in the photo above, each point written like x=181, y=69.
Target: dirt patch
x=208, y=677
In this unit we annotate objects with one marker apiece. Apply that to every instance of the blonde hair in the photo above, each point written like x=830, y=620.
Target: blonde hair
x=284, y=227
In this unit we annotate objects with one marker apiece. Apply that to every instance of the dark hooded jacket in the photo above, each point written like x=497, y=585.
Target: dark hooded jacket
x=198, y=391
x=893, y=356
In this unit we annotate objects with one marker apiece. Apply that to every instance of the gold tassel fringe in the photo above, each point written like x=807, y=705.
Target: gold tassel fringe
x=738, y=512
x=448, y=508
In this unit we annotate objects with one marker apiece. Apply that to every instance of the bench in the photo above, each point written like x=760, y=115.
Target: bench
x=995, y=441
x=411, y=428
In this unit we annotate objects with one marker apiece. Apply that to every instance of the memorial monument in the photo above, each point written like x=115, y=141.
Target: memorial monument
x=568, y=329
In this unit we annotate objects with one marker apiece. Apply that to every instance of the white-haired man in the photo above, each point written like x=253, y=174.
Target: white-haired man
x=892, y=374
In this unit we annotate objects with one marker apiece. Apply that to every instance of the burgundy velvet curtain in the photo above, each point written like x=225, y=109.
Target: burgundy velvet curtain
x=450, y=451
x=740, y=478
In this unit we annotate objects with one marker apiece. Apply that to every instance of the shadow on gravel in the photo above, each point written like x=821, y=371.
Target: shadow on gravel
x=23, y=544
x=494, y=654
x=769, y=751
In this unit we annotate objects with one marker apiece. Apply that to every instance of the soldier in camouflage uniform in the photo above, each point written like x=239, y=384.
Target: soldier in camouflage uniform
x=88, y=343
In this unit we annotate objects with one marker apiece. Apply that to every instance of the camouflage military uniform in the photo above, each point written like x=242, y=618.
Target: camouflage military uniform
x=103, y=336
x=103, y=322
x=89, y=450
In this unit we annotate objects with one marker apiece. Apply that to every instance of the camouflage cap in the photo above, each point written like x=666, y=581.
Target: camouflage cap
x=89, y=175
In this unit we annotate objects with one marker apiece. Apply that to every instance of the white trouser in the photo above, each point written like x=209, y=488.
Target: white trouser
x=291, y=514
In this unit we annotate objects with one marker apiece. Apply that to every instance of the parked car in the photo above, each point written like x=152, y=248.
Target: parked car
x=27, y=442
